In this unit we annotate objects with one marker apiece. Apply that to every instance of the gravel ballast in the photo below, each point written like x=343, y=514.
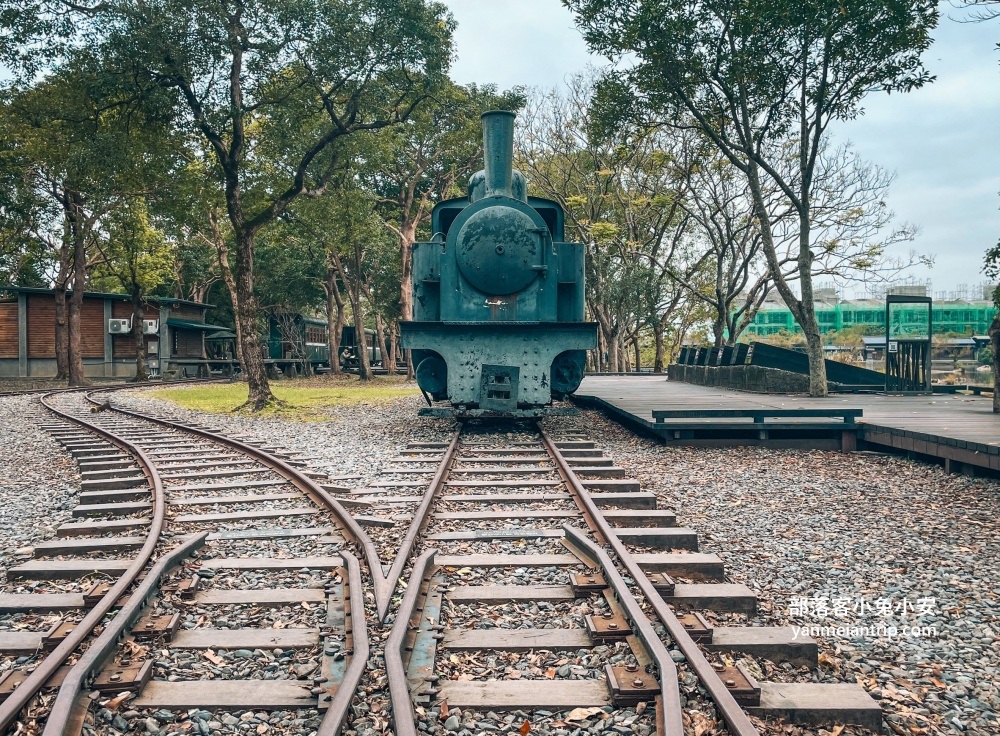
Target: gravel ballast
x=865, y=527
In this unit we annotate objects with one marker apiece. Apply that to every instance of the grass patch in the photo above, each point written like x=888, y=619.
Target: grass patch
x=304, y=399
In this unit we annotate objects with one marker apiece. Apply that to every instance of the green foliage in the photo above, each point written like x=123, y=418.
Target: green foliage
x=136, y=257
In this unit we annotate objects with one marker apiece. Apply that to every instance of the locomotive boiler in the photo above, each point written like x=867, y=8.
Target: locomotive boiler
x=498, y=316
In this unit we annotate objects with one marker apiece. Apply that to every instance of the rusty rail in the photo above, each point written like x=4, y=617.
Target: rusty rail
x=336, y=714
x=399, y=689
x=60, y=720
x=420, y=517
x=734, y=716
x=670, y=694
x=322, y=498
x=27, y=690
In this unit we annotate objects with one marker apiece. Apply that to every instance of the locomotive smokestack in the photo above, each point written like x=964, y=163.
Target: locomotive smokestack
x=498, y=145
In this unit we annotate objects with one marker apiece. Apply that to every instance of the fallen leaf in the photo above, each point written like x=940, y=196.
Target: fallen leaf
x=525, y=727
x=581, y=714
x=115, y=702
x=444, y=710
x=837, y=731
x=550, y=673
x=211, y=657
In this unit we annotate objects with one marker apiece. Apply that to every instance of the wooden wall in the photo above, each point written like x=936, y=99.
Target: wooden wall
x=8, y=328
x=41, y=327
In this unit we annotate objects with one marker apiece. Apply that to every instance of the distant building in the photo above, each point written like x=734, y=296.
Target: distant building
x=174, y=339
x=962, y=317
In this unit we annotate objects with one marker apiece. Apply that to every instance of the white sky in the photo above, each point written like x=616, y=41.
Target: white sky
x=940, y=140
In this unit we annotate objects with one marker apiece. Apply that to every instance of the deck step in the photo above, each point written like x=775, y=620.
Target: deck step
x=516, y=640
x=776, y=643
x=816, y=704
x=733, y=597
x=524, y=694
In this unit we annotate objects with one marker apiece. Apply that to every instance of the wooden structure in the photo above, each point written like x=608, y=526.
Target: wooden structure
x=27, y=335
x=957, y=430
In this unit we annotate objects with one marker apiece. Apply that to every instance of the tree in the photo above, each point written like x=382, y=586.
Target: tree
x=137, y=258
x=752, y=75
x=622, y=201
x=84, y=148
x=265, y=88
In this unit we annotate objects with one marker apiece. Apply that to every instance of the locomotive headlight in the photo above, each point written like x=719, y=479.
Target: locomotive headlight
x=499, y=251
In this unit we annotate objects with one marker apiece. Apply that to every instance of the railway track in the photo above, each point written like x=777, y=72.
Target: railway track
x=600, y=579
x=616, y=613
x=151, y=496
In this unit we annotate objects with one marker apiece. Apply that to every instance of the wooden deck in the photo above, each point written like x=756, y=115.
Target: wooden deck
x=960, y=430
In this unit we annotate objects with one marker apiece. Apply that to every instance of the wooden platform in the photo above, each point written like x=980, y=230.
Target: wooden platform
x=960, y=431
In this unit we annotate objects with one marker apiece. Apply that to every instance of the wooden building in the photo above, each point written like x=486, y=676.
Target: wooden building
x=174, y=340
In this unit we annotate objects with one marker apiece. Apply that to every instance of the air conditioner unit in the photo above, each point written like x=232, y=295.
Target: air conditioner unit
x=150, y=326
x=119, y=326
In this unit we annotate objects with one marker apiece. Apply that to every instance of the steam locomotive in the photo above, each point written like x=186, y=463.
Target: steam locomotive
x=498, y=324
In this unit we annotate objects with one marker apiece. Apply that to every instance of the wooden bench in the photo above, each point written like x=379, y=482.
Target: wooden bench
x=681, y=424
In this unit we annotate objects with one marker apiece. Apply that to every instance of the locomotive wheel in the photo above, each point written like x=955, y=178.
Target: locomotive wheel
x=432, y=376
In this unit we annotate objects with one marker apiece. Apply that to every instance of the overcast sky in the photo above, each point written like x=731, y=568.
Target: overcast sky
x=941, y=140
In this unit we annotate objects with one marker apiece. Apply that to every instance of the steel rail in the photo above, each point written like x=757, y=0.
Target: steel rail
x=670, y=693
x=403, y=723
x=60, y=720
x=33, y=683
x=339, y=708
x=420, y=517
x=322, y=498
x=734, y=716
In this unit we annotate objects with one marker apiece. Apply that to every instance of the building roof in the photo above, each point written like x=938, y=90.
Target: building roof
x=102, y=295
x=184, y=324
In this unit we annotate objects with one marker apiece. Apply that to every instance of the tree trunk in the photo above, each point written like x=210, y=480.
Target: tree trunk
x=407, y=235
x=658, y=361
x=62, y=334
x=614, y=363
x=260, y=394
x=76, y=372
x=138, y=313
x=389, y=359
x=334, y=318
x=234, y=297
x=380, y=337
x=804, y=309
x=360, y=338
